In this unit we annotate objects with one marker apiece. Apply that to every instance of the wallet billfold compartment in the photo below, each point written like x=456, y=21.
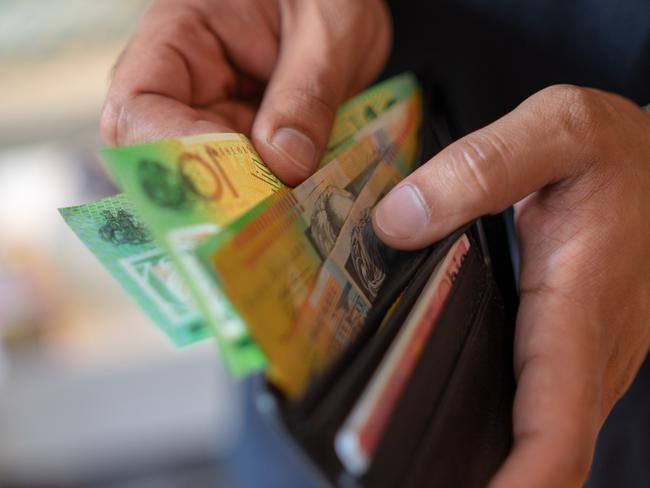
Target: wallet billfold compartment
x=450, y=423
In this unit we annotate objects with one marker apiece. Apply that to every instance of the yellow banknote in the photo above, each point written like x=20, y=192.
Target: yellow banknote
x=268, y=264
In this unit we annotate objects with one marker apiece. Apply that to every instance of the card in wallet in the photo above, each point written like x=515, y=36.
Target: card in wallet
x=423, y=395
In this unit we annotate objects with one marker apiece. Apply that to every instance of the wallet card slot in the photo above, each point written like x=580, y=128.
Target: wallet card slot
x=317, y=428
x=352, y=370
x=419, y=401
x=468, y=437
x=319, y=387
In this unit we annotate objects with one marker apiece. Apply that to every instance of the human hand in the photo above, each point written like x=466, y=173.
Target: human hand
x=578, y=162
x=273, y=69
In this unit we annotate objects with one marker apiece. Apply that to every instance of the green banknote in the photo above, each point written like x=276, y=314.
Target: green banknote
x=113, y=233
x=187, y=189
x=358, y=112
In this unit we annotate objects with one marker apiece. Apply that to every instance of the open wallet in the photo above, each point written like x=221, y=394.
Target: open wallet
x=423, y=395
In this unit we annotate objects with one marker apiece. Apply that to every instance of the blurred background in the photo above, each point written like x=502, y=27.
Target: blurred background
x=91, y=393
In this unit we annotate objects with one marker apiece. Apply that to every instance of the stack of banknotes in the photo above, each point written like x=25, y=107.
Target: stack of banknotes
x=211, y=244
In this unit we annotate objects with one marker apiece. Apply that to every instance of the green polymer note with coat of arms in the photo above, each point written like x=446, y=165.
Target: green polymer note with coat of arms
x=112, y=231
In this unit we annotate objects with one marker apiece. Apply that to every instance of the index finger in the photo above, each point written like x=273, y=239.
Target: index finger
x=558, y=405
x=174, y=78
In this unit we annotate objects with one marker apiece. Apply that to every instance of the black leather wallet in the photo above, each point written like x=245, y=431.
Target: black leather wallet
x=451, y=425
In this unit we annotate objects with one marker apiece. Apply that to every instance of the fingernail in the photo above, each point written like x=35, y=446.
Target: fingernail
x=402, y=213
x=296, y=147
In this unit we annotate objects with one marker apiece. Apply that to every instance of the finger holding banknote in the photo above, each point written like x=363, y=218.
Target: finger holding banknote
x=273, y=70
x=576, y=160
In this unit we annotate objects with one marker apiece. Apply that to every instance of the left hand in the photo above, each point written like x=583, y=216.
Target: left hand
x=577, y=161
x=275, y=70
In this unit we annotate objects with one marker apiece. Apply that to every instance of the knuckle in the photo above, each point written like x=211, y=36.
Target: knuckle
x=480, y=163
x=183, y=26
x=579, y=111
x=309, y=102
x=346, y=29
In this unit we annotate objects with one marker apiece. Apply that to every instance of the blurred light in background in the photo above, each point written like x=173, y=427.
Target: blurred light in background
x=90, y=391
x=55, y=60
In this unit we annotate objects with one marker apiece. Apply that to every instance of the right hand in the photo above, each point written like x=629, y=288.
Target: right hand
x=275, y=70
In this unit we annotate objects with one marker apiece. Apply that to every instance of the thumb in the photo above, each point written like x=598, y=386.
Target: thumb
x=314, y=74
x=549, y=138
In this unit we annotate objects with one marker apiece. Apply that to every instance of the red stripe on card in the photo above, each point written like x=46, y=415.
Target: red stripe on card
x=370, y=432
